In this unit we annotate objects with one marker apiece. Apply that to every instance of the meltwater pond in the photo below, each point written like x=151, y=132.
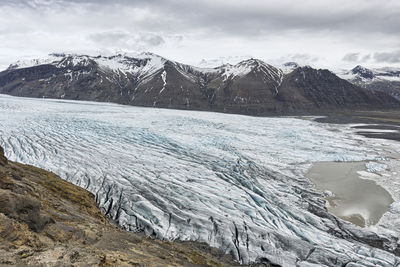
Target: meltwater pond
x=234, y=182
x=352, y=198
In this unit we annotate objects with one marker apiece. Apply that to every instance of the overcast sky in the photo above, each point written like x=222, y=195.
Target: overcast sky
x=332, y=34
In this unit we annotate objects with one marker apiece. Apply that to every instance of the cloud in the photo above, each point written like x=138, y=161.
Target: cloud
x=351, y=57
x=194, y=29
x=356, y=57
x=249, y=17
x=387, y=57
x=366, y=58
x=126, y=40
x=302, y=59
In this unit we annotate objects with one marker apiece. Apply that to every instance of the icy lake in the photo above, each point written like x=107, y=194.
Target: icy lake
x=232, y=181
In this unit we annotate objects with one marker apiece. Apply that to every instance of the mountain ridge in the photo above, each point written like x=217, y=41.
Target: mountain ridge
x=386, y=79
x=250, y=87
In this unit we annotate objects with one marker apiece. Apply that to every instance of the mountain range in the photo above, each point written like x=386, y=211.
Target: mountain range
x=250, y=87
x=385, y=80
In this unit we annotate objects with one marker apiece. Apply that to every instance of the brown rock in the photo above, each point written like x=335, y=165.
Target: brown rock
x=3, y=159
x=24, y=209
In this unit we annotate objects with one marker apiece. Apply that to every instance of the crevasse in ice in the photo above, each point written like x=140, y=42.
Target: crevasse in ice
x=234, y=182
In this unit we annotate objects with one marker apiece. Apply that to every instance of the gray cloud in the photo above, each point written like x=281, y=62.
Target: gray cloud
x=356, y=58
x=256, y=16
x=191, y=30
x=387, y=57
x=366, y=58
x=351, y=57
x=303, y=58
x=120, y=39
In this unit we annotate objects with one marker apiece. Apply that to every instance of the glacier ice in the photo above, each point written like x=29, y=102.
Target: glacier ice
x=232, y=181
x=375, y=167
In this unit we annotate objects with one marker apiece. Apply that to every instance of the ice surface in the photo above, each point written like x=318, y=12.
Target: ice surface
x=395, y=207
x=232, y=181
x=375, y=167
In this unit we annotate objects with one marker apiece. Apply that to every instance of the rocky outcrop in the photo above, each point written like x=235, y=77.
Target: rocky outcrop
x=249, y=87
x=3, y=159
x=46, y=221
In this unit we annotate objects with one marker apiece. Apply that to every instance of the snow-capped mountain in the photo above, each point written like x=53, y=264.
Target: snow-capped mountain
x=142, y=65
x=385, y=80
x=246, y=66
x=248, y=87
x=362, y=74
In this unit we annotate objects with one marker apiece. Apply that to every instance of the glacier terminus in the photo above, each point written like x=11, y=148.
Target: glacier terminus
x=234, y=182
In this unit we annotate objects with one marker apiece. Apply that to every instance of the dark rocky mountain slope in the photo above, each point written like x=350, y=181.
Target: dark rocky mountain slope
x=249, y=87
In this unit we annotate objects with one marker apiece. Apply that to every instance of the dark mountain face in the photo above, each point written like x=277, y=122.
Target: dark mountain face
x=307, y=88
x=391, y=88
x=249, y=87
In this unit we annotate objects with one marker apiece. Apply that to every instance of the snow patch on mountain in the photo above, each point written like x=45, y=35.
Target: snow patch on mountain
x=20, y=64
x=229, y=71
x=220, y=61
x=245, y=67
x=164, y=78
x=153, y=63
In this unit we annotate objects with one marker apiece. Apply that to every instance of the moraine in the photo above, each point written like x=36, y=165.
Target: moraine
x=232, y=181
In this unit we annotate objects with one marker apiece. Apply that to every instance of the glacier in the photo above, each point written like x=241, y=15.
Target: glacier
x=234, y=182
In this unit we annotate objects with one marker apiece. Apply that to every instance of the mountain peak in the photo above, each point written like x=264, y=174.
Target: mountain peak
x=289, y=67
x=363, y=72
x=253, y=63
x=244, y=67
x=291, y=64
x=384, y=79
